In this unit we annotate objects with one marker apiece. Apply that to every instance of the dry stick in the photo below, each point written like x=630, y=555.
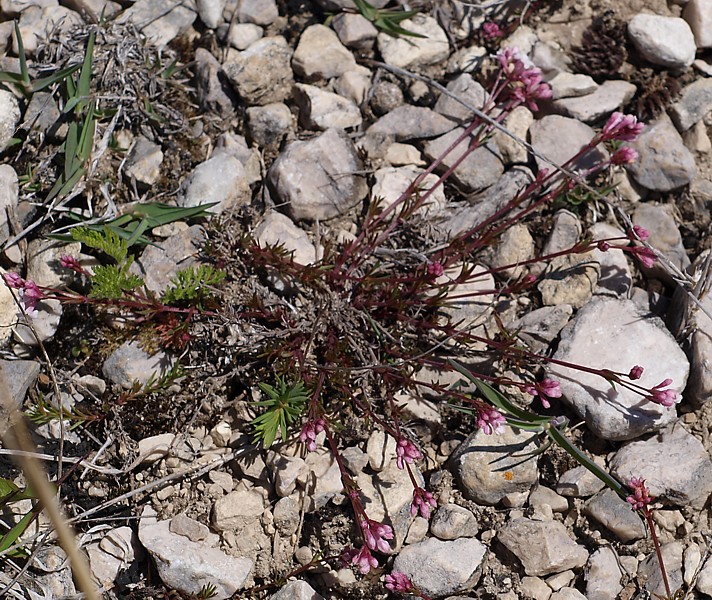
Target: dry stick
x=15, y=435
x=685, y=281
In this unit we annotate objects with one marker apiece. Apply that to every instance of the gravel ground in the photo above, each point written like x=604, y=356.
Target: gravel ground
x=292, y=118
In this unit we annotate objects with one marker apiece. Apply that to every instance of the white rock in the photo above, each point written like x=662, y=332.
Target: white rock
x=465, y=88
x=321, y=55
x=260, y=12
x=391, y=182
x=603, y=575
x=675, y=465
x=220, y=179
x=442, y=568
x=144, y=161
x=243, y=35
x=354, y=84
x=278, y=229
x=649, y=573
x=354, y=30
x=523, y=38
x=268, y=125
x=556, y=551
x=615, y=277
x=211, y=12
x=407, y=52
x=695, y=102
x=297, y=590
x=9, y=311
x=159, y=20
x=399, y=155
x=567, y=85
x=517, y=122
x=155, y=447
x=698, y=14
x=606, y=98
x=319, y=109
x=9, y=196
x=188, y=566
x=237, y=508
x=129, y=363
x=451, y=522
x=9, y=117
x=381, y=450
x=600, y=336
x=664, y=41
x=536, y=588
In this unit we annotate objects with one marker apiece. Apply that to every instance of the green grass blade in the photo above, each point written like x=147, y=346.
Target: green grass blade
x=84, y=84
x=21, y=55
x=40, y=84
x=11, y=536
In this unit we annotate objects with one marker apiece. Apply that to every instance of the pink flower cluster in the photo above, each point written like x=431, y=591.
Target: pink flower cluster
x=659, y=395
x=621, y=128
x=362, y=558
x=546, y=389
x=28, y=292
x=406, y=452
x=490, y=420
x=640, y=497
x=636, y=372
x=491, y=31
x=376, y=535
x=398, y=582
x=526, y=85
x=309, y=432
x=423, y=501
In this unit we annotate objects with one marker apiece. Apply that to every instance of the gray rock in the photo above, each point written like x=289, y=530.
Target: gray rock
x=286, y=515
x=285, y=471
x=615, y=277
x=222, y=179
x=187, y=566
x=117, y=549
x=664, y=236
x=407, y=51
x=237, y=509
x=468, y=90
x=243, y=35
x=380, y=449
x=44, y=262
x=441, y=568
x=555, y=550
x=278, y=229
x=45, y=322
x=569, y=279
x=318, y=178
x=698, y=14
x=517, y=122
x=354, y=84
x=391, y=182
x=579, y=482
x=158, y=263
x=600, y=337
x=320, y=55
x=262, y=73
x=43, y=114
x=211, y=12
x=385, y=97
x=486, y=204
x=297, y=590
x=690, y=320
x=268, y=125
x=213, y=96
x=258, y=12
x=451, y=522
x=540, y=327
x=535, y=587
x=481, y=462
x=616, y=515
x=675, y=465
x=609, y=96
x=236, y=146
x=322, y=479
x=129, y=363
x=35, y=24
x=13, y=8
x=568, y=593
x=480, y=169
x=20, y=375
x=541, y=495
x=319, y=109
x=649, y=570
x=338, y=5
x=9, y=117
x=561, y=138
x=411, y=123
x=354, y=30
x=664, y=41
x=694, y=103
x=160, y=20
x=9, y=197
x=144, y=161
x=9, y=312
x=569, y=85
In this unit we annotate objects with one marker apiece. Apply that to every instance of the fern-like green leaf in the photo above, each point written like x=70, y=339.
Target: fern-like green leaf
x=106, y=241
x=284, y=405
x=111, y=282
x=192, y=286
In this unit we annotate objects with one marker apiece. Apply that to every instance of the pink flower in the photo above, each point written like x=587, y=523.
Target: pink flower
x=491, y=31
x=435, y=269
x=638, y=233
x=30, y=297
x=363, y=559
x=13, y=280
x=641, y=494
x=636, y=372
x=622, y=128
x=546, y=389
x=423, y=501
x=659, y=395
x=69, y=262
x=375, y=535
x=525, y=82
x=309, y=432
x=406, y=451
x=490, y=420
x=624, y=156
x=644, y=254
x=398, y=582
x=603, y=246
